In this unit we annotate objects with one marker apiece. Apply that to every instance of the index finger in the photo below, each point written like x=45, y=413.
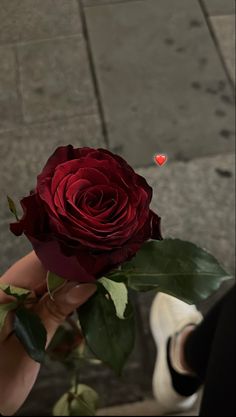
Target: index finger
x=27, y=273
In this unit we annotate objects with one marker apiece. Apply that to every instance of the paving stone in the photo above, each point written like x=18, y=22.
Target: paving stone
x=163, y=88
x=224, y=27
x=55, y=79
x=23, y=154
x=220, y=7
x=10, y=105
x=25, y=20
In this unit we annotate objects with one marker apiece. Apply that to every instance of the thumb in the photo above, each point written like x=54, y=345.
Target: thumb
x=53, y=311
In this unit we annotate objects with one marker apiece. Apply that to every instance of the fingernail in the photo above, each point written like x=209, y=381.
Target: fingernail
x=80, y=293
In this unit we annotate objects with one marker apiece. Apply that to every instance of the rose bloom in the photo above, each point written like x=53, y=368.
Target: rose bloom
x=88, y=214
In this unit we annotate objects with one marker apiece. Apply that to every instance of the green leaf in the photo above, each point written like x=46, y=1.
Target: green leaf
x=89, y=397
x=118, y=293
x=12, y=207
x=54, y=282
x=175, y=267
x=117, y=275
x=81, y=400
x=31, y=332
x=4, y=310
x=61, y=408
x=110, y=339
x=18, y=293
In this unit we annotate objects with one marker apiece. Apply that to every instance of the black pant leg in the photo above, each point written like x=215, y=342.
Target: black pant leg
x=210, y=352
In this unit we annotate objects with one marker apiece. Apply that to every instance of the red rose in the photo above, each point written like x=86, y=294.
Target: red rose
x=88, y=214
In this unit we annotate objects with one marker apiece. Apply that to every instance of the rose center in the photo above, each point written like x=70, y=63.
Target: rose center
x=97, y=201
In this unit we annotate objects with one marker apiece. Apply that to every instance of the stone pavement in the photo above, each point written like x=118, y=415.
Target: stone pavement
x=137, y=77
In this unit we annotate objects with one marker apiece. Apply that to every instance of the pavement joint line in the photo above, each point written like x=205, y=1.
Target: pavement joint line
x=112, y=4
x=93, y=73
x=216, y=43
x=18, y=83
x=221, y=15
x=38, y=123
x=35, y=41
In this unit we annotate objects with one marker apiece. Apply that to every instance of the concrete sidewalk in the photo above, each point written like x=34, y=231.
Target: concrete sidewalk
x=138, y=77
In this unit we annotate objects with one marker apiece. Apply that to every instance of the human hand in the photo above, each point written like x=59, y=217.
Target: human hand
x=18, y=371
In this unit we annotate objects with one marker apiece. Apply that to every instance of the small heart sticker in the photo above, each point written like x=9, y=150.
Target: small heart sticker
x=160, y=159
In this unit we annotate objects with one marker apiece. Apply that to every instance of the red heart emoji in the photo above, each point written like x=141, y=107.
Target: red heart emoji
x=160, y=159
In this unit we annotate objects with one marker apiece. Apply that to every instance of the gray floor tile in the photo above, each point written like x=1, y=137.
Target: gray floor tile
x=162, y=84
x=224, y=27
x=24, y=20
x=10, y=104
x=12, y=248
x=55, y=79
x=220, y=7
x=23, y=154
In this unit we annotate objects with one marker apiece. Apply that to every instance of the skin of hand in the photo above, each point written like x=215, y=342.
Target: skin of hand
x=18, y=372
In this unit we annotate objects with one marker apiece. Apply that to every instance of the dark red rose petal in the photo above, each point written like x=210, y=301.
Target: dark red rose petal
x=54, y=260
x=155, y=225
x=34, y=220
x=73, y=169
x=62, y=154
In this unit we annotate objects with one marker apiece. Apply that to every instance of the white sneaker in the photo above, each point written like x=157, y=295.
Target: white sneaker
x=168, y=316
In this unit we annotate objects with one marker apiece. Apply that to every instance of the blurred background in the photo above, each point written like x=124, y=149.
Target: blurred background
x=138, y=77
